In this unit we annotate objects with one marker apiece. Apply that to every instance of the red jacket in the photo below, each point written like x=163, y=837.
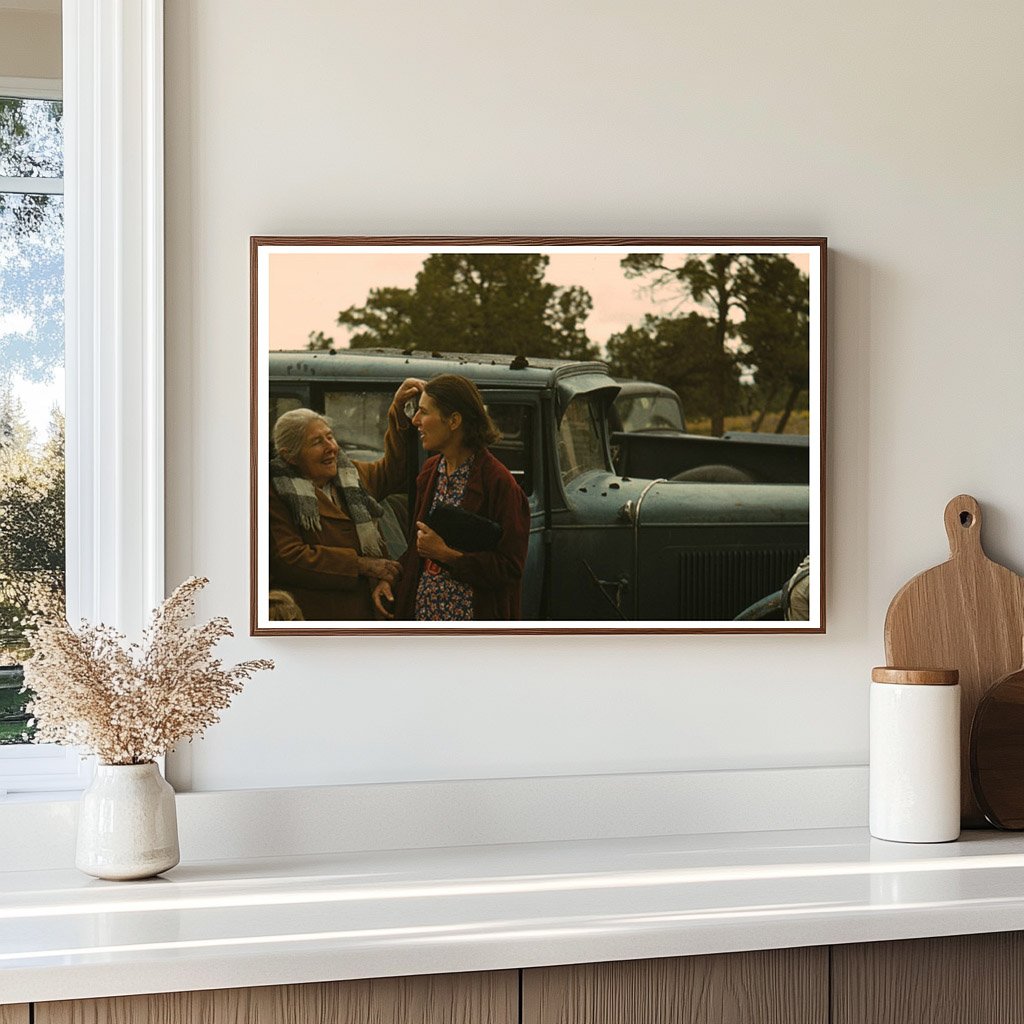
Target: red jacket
x=495, y=576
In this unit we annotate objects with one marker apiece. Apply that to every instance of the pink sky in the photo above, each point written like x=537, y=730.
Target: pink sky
x=308, y=289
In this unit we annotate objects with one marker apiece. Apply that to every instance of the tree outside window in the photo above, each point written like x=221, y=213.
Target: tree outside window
x=32, y=570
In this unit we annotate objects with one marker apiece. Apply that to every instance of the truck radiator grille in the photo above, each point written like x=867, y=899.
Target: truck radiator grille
x=719, y=583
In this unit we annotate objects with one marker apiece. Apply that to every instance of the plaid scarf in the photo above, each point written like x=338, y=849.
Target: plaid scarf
x=299, y=494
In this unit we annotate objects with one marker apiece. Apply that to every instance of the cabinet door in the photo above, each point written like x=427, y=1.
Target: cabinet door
x=779, y=986
x=482, y=998
x=14, y=1014
x=962, y=979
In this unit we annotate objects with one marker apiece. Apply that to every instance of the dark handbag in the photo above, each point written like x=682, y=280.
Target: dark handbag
x=462, y=530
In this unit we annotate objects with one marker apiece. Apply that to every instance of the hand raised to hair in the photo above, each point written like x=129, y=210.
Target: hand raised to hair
x=410, y=388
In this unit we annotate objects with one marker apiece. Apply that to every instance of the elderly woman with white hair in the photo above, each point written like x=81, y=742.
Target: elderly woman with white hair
x=327, y=548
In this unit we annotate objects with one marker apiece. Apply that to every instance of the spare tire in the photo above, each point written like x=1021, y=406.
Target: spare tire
x=715, y=474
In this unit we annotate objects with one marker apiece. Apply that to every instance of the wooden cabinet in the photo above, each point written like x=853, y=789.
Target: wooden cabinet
x=777, y=986
x=482, y=998
x=963, y=979
x=968, y=979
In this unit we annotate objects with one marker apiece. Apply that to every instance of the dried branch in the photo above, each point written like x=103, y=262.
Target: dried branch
x=129, y=703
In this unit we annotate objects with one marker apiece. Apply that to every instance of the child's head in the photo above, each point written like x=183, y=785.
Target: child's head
x=283, y=606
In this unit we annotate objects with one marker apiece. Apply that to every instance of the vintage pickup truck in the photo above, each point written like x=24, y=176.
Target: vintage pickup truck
x=604, y=544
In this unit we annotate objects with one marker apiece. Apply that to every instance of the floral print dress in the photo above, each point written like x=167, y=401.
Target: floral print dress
x=439, y=596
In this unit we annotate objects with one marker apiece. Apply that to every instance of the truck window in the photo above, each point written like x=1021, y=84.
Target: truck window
x=359, y=418
x=515, y=447
x=580, y=440
x=648, y=412
x=279, y=405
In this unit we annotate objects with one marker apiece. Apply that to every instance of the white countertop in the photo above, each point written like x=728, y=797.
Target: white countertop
x=225, y=924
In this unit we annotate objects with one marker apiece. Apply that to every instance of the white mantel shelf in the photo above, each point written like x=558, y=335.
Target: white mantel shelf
x=224, y=924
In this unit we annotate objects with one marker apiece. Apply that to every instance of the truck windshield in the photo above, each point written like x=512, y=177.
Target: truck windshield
x=581, y=444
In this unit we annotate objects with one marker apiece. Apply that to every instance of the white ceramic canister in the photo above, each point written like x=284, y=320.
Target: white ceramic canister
x=915, y=755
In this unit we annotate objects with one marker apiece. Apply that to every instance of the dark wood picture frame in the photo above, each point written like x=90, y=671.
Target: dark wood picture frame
x=737, y=548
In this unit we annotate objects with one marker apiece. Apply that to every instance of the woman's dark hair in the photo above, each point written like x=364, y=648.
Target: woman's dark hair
x=452, y=393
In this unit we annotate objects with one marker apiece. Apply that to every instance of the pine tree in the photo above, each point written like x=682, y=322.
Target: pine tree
x=32, y=570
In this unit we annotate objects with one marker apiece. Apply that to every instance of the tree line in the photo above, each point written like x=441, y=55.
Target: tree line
x=32, y=564
x=743, y=351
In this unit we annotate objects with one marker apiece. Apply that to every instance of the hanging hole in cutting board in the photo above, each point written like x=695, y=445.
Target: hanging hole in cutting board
x=966, y=519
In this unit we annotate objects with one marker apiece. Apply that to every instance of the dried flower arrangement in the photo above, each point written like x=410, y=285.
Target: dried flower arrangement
x=129, y=704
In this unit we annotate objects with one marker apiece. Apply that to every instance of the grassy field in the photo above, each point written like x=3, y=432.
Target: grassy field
x=11, y=732
x=799, y=423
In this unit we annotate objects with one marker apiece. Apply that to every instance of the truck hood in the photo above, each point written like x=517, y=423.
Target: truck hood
x=599, y=497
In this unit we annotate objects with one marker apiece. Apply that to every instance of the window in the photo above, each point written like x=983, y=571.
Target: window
x=648, y=412
x=279, y=405
x=515, y=449
x=32, y=564
x=114, y=316
x=359, y=420
x=580, y=440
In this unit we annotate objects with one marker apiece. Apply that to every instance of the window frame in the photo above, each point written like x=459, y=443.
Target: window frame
x=38, y=767
x=112, y=90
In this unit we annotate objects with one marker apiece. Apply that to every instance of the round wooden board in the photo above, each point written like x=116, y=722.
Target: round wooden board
x=967, y=614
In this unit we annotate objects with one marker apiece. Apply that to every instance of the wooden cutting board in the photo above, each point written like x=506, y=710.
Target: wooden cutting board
x=967, y=614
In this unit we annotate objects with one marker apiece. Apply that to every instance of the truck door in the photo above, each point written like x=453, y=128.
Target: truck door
x=517, y=416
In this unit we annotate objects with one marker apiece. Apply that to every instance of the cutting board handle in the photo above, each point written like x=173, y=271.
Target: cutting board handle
x=963, y=527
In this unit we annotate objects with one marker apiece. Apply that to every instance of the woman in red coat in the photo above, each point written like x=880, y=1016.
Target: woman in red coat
x=439, y=582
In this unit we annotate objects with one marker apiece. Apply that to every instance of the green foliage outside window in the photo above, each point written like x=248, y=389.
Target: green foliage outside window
x=32, y=543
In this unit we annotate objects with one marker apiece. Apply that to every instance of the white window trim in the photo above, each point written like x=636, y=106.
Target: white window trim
x=32, y=88
x=114, y=326
x=32, y=186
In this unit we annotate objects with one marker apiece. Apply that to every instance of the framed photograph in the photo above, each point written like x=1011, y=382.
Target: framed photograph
x=537, y=435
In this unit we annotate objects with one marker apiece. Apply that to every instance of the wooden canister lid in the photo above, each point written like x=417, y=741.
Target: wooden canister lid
x=916, y=676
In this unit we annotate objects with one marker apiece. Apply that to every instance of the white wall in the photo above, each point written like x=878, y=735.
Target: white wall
x=894, y=129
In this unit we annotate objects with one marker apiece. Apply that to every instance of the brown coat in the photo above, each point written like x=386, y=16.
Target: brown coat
x=320, y=569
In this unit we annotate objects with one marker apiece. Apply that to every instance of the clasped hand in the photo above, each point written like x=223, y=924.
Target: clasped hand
x=430, y=544
x=380, y=568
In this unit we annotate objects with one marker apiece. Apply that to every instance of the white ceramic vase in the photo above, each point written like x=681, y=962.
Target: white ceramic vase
x=127, y=825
